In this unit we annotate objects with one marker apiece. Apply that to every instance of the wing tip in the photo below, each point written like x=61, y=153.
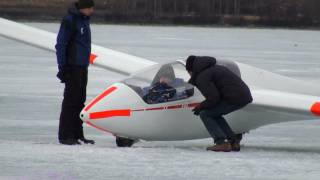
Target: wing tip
x=315, y=109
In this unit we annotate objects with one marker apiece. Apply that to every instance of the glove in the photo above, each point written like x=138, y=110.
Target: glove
x=63, y=74
x=196, y=111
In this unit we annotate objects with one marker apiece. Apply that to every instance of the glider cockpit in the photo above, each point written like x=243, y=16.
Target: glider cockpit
x=162, y=83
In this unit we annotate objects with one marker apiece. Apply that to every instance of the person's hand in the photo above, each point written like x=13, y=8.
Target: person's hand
x=196, y=111
x=63, y=74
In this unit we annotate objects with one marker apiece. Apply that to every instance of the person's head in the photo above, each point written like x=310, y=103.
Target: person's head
x=165, y=80
x=164, y=75
x=86, y=7
x=189, y=64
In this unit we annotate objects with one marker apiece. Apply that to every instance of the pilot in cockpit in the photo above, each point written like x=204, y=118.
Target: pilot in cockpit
x=166, y=87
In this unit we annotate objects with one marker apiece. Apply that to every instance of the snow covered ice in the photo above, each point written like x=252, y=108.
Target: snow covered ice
x=30, y=97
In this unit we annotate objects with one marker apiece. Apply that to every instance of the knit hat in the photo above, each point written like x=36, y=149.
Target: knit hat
x=189, y=64
x=82, y=4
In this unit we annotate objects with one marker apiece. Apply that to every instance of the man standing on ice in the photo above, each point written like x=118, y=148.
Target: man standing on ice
x=225, y=92
x=73, y=51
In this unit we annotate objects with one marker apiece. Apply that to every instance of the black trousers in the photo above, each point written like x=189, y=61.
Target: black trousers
x=70, y=125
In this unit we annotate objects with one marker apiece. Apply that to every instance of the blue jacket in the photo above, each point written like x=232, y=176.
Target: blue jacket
x=73, y=46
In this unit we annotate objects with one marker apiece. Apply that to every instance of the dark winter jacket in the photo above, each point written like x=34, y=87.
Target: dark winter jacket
x=217, y=83
x=73, y=46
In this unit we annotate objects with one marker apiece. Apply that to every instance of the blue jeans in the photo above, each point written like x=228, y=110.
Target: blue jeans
x=216, y=125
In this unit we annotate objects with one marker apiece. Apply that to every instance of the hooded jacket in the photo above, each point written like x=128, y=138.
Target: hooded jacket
x=73, y=46
x=217, y=83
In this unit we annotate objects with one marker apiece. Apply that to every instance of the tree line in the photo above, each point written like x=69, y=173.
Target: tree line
x=224, y=12
x=234, y=12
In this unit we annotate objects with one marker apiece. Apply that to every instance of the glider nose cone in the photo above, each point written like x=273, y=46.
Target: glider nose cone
x=99, y=103
x=114, y=104
x=111, y=111
x=84, y=116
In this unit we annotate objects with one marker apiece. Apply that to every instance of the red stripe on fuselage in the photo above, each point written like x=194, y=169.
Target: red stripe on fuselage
x=127, y=112
x=175, y=107
x=179, y=106
x=108, y=114
x=157, y=108
x=101, y=96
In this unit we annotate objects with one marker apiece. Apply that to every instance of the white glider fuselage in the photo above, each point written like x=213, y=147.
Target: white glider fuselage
x=121, y=111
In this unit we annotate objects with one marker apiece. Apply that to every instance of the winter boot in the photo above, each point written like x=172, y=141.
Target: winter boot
x=224, y=147
x=235, y=146
x=235, y=142
x=87, y=141
x=69, y=141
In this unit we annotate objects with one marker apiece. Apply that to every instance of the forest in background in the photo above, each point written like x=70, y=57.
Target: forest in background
x=278, y=13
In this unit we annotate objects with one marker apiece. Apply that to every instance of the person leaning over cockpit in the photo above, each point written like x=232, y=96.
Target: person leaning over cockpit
x=224, y=93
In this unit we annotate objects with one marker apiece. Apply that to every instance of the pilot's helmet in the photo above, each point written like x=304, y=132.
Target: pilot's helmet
x=165, y=72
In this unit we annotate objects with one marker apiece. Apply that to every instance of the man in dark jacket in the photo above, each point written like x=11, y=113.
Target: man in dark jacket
x=73, y=50
x=225, y=92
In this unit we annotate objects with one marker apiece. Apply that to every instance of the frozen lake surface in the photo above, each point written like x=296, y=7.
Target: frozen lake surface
x=30, y=98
